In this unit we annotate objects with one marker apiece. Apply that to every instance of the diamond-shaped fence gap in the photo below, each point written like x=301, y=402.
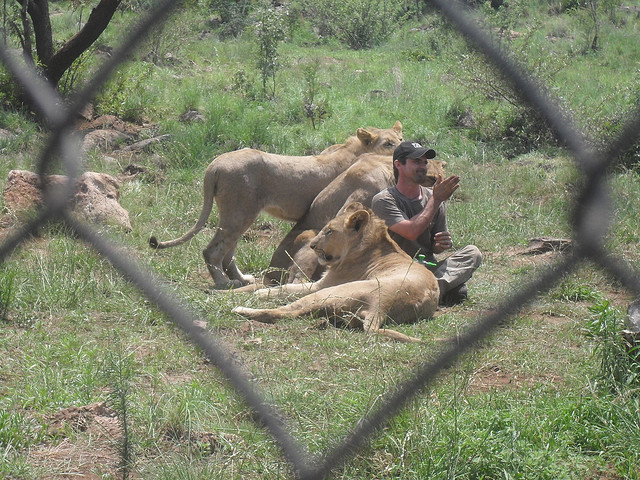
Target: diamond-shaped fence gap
x=620, y=270
x=55, y=201
x=425, y=375
x=158, y=13
x=618, y=146
x=185, y=320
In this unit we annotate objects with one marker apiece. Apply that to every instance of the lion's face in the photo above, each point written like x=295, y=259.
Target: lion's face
x=340, y=235
x=381, y=141
x=434, y=168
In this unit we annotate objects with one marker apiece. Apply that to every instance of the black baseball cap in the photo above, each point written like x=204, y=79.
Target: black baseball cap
x=412, y=150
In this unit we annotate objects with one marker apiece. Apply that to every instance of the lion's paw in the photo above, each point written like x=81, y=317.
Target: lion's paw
x=263, y=293
x=244, y=311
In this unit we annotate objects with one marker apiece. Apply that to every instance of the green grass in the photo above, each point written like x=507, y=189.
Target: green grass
x=542, y=398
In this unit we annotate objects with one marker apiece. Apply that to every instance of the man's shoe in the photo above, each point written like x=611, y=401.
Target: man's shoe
x=455, y=296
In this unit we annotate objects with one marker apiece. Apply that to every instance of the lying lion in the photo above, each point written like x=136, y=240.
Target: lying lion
x=247, y=181
x=293, y=261
x=369, y=279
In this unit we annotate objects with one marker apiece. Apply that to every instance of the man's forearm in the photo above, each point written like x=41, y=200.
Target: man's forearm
x=416, y=225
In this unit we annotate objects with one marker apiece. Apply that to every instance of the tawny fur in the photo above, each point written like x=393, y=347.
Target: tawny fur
x=245, y=182
x=369, y=280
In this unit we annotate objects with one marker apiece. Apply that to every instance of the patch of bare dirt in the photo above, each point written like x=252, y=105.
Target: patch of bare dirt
x=85, y=440
x=493, y=377
x=264, y=233
x=87, y=449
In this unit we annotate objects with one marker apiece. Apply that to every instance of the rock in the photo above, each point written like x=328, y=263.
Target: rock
x=6, y=134
x=144, y=144
x=632, y=320
x=107, y=122
x=632, y=331
x=96, y=196
x=103, y=139
x=191, y=116
x=466, y=120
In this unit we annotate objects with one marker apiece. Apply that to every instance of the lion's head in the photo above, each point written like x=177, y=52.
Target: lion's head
x=346, y=234
x=435, y=168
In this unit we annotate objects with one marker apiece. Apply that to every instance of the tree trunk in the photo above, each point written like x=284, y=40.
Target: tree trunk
x=98, y=21
x=55, y=64
x=38, y=10
x=25, y=39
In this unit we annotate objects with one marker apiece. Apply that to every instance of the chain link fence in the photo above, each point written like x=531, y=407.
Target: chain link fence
x=592, y=206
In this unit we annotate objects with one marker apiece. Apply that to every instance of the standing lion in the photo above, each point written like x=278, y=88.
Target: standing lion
x=247, y=181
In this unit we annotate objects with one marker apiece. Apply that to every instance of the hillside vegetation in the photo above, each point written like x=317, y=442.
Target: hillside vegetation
x=97, y=382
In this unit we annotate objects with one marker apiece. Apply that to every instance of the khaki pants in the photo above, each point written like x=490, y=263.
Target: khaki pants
x=457, y=268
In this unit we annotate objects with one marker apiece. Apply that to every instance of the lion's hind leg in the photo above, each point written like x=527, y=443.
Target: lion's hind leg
x=233, y=272
x=219, y=255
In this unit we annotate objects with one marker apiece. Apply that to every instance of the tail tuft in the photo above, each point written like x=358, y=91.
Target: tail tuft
x=153, y=242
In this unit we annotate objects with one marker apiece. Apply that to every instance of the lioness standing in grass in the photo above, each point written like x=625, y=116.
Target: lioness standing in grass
x=416, y=217
x=245, y=182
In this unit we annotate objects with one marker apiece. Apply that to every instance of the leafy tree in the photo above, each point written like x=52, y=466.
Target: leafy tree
x=590, y=15
x=233, y=15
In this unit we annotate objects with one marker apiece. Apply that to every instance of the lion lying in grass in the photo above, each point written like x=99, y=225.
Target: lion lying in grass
x=293, y=261
x=369, y=280
x=247, y=181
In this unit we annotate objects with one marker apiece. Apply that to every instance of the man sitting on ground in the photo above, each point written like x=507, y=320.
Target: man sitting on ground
x=416, y=218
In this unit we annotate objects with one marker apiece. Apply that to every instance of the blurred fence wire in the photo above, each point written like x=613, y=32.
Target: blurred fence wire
x=592, y=205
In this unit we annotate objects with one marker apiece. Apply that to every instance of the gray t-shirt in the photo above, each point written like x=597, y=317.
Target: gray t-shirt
x=393, y=207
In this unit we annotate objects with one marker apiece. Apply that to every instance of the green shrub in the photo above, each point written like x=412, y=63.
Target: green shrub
x=16, y=431
x=619, y=367
x=127, y=94
x=270, y=31
x=357, y=23
x=519, y=128
x=234, y=16
x=315, y=109
x=76, y=73
x=9, y=91
x=120, y=371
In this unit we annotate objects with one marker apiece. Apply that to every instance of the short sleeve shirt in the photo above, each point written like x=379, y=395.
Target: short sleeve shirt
x=393, y=207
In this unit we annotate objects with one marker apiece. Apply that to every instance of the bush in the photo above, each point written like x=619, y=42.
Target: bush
x=270, y=30
x=357, y=23
x=125, y=95
x=10, y=94
x=234, y=16
x=521, y=128
x=619, y=367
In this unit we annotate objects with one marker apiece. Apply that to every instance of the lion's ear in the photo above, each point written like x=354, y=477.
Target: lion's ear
x=365, y=136
x=353, y=207
x=357, y=220
x=397, y=126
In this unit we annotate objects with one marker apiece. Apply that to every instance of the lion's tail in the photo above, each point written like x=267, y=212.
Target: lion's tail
x=207, y=205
